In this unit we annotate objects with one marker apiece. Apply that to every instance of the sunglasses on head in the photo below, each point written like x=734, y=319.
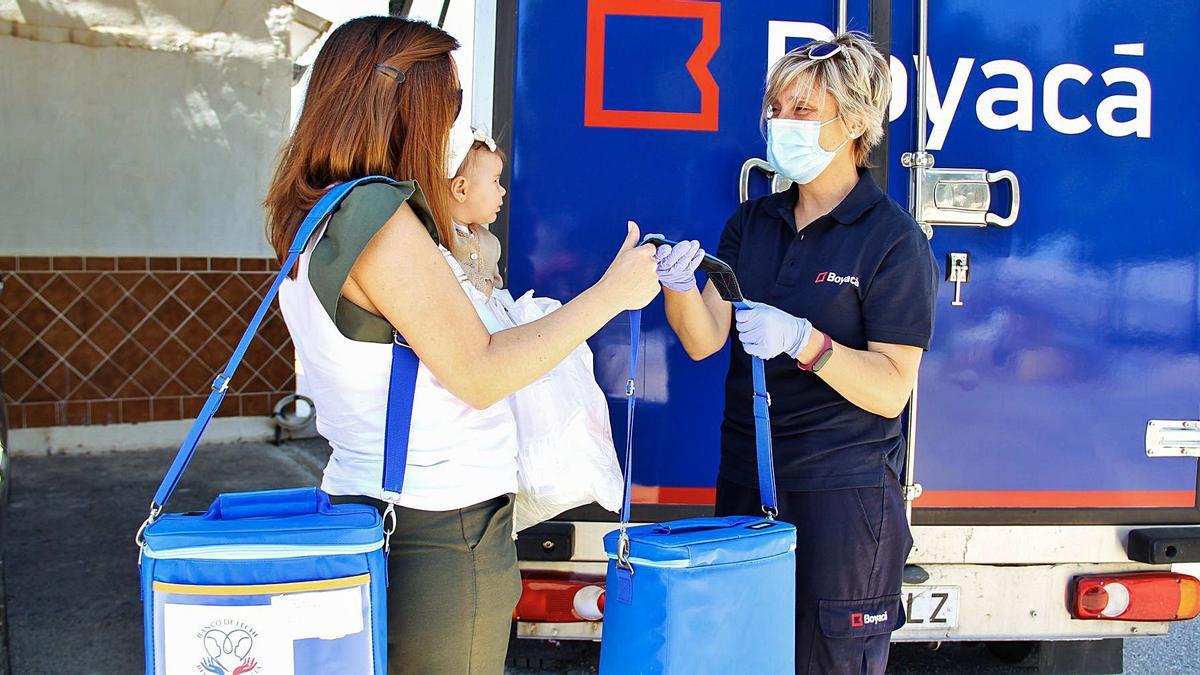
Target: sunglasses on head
x=819, y=50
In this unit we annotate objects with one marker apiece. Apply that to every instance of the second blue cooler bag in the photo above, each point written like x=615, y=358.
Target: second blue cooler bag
x=701, y=595
x=277, y=581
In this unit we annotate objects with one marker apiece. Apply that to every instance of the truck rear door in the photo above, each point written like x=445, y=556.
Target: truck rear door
x=1080, y=323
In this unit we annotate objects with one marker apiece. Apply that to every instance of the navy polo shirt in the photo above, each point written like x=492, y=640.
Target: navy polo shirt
x=863, y=272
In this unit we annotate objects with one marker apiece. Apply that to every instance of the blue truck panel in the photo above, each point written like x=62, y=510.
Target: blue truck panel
x=1080, y=323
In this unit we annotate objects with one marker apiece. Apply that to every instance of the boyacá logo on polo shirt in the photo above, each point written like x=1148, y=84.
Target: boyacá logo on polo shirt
x=835, y=278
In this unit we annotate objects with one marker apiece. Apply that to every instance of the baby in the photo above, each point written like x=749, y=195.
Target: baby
x=565, y=453
x=476, y=198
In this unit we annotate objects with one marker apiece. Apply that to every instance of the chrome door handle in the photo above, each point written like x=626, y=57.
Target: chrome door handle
x=778, y=183
x=1015, y=208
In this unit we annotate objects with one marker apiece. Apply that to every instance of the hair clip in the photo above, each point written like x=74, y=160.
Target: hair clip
x=390, y=71
x=484, y=137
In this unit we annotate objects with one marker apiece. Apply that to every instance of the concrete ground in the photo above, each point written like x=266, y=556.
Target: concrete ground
x=1177, y=654
x=71, y=566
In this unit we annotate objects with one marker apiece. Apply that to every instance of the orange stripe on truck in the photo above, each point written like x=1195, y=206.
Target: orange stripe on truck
x=1050, y=499
x=973, y=499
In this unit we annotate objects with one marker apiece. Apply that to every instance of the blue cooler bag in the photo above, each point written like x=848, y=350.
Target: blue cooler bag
x=701, y=595
x=278, y=581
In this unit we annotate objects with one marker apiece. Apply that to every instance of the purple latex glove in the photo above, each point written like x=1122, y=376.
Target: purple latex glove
x=767, y=332
x=677, y=264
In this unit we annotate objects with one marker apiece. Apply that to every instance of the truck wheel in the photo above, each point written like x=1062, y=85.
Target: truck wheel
x=1012, y=652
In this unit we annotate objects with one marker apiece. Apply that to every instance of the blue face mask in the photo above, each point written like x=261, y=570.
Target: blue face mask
x=794, y=148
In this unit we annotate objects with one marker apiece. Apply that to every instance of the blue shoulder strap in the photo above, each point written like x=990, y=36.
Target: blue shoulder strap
x=635, y=338
x=401, y=390
x=404, y=369
x=762, y=433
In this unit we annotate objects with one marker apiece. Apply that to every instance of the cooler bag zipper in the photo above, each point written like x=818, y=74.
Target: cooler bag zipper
x=259, y=551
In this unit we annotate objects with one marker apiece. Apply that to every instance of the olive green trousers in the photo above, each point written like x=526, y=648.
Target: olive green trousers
x=452, y=586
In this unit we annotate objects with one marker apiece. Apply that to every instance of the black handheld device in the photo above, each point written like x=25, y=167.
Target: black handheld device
x=717, y=270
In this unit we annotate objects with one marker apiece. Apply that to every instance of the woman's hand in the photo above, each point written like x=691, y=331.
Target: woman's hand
x=631, y=278
x=767, y=332
x=878, y=380
x=701, y=320
x=677, y=265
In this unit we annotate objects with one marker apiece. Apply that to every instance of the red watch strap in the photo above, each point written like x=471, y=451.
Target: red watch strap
x=826, y=347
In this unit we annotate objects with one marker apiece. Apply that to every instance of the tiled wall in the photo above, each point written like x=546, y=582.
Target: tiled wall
x=97, y=340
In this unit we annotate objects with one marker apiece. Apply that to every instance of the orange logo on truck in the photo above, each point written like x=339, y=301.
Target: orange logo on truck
x=596, y=115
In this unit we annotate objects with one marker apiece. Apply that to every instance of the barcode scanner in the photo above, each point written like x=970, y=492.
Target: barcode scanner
x=718, y=271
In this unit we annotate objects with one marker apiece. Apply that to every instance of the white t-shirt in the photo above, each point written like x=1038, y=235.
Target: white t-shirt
x=457, y=455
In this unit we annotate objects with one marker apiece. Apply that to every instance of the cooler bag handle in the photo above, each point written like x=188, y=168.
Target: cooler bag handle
x=692, y=525
x=401, y=385
x=291, y=502
x=762, y=435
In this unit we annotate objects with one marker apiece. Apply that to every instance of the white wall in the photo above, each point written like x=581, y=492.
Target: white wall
x=459, y=23
x=161, y=147
x=338, y=12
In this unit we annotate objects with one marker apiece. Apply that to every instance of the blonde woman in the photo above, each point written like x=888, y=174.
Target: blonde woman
x=845, y=283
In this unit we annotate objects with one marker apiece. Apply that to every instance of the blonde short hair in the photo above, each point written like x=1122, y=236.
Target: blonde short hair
x=857, y=77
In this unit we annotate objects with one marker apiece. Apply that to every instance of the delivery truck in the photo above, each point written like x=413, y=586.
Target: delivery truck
x=1049, y=151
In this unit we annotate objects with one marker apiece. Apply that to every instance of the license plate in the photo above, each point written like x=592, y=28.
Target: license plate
x=930, y=607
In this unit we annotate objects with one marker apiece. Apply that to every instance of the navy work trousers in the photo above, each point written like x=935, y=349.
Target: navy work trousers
x=851, y=546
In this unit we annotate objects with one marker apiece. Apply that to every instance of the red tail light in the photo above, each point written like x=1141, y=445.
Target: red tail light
x=1142, y=596
x=549, y=597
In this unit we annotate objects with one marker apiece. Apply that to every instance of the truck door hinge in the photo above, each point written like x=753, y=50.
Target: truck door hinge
x=912, y=492
x=1173, y=438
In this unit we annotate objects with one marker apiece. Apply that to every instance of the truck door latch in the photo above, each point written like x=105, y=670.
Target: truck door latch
x=961, y=197
x=958, y=272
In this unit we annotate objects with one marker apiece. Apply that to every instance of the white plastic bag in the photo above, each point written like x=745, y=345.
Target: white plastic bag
x=565, y=455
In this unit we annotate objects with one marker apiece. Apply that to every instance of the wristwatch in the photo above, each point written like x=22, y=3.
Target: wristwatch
x=822, y=356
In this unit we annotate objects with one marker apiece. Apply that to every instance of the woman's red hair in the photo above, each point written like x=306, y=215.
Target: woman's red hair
x=358, y=120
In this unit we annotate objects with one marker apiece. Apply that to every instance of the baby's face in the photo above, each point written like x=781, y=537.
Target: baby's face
x=484, y=193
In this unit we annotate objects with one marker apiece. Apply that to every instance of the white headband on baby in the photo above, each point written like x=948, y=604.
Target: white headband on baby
x=462, y=137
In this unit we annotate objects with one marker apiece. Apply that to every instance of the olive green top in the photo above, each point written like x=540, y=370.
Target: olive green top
x=361, y=214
